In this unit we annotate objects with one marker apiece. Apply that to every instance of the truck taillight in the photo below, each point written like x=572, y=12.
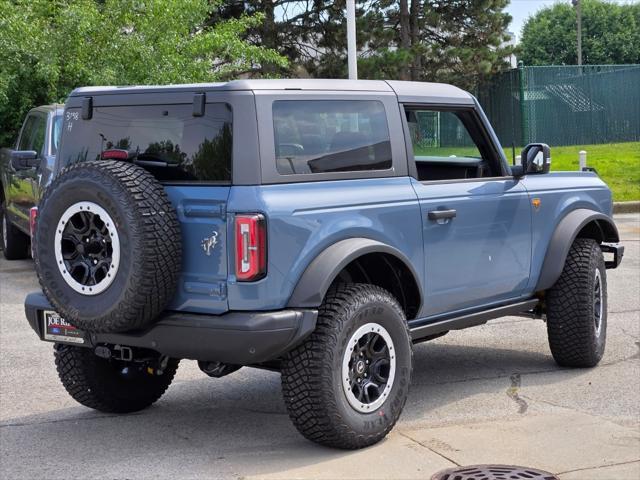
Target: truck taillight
x=251, y=247
x=33, y=216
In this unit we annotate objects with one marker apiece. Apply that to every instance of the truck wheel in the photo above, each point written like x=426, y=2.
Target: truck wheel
x=108, y=246
x=346, y=385
x=110, y=386
x=15, y=244
x=577, y=307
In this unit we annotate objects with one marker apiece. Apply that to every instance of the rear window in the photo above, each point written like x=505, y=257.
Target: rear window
x=319, y=136
x=167, y=140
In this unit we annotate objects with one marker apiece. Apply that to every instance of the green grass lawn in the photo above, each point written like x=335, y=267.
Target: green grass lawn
x=618, y=164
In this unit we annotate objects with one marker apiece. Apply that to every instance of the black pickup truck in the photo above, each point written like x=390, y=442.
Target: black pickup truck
x=25, y=170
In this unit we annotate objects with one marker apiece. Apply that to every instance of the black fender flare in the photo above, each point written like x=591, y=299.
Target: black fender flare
x=322, y=271
x=565, y=233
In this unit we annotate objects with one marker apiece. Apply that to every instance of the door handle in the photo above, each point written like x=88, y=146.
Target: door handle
x=441, y=214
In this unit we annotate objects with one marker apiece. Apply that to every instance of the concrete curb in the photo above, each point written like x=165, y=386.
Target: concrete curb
x=626, y=207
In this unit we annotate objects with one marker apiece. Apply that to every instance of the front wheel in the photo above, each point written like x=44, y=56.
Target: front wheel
x=347, y=384
x=109, y=385
x=577, y=307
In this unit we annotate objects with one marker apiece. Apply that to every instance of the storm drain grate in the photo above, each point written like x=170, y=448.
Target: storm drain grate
x=493, y=472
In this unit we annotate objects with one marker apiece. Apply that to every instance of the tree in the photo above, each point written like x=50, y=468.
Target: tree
x=299, y=30
x=449, y=40
x=610, y=34
x=49, y=47
x=459, y=41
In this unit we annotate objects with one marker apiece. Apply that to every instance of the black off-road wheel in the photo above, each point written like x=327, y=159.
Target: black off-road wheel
x=577, y=307
x=15, y=244
x=347, y=384
x=108, y=385
x=108, y=247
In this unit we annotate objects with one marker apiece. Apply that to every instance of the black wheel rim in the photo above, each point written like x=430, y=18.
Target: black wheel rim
x=598, y=304
x=87, y=248
x=368, y=367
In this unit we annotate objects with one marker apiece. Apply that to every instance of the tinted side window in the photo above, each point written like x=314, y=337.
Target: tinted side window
x=167, y=140
x=27, y=133
x=318, y=136
x=39, y=131
x=57, y=131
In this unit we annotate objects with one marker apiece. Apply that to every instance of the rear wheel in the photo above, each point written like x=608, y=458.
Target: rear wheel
x=15, y=244
x=577, y=307
x=347, y=384
x=110, y=385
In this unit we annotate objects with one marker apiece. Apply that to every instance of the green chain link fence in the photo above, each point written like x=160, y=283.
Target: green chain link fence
x=564, y=105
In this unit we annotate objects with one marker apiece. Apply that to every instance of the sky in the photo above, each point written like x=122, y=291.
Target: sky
x=520, y=10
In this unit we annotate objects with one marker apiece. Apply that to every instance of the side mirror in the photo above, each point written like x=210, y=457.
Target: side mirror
x=24, y=159
x=517, y=171
x=536, y=158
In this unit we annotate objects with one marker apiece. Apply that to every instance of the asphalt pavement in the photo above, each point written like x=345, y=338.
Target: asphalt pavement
x=490, y=394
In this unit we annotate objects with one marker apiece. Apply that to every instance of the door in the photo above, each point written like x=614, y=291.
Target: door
x=476, y=220
x=22, y=192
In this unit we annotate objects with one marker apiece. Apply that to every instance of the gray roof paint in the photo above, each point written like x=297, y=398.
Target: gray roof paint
x=406, y=91
x=418, y=92
x=54, y=107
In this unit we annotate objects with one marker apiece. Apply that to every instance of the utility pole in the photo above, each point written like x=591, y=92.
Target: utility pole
x=576, y=3
x=351, y=39
x=524, y=120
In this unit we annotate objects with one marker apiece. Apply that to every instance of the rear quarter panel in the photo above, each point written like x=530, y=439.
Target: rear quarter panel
x=559, y=194
x=305, y=218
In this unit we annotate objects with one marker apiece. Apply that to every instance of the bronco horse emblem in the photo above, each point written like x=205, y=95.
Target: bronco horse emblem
x=209, y=243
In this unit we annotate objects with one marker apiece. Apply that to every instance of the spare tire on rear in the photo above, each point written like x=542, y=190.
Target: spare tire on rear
x=107, y=246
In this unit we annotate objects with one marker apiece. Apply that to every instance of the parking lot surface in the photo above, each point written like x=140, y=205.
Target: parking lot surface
x=490, y=394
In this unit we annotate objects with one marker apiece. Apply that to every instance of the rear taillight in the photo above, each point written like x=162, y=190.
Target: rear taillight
x=33, y=217
x=251, y=247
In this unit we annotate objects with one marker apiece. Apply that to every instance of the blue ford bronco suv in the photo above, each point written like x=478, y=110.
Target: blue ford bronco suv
x=316, y=227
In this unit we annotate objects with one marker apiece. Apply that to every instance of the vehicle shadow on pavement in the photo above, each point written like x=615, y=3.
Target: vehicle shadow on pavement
x=238, y=425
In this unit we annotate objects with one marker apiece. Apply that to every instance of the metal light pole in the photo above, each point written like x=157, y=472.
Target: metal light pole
x=576, y=3
x=351, y=39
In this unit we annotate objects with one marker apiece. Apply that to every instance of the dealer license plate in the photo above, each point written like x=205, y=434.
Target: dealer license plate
x=57, y=329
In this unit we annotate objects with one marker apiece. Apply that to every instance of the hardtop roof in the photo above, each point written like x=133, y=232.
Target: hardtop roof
x=54, y=107
x=406, y=91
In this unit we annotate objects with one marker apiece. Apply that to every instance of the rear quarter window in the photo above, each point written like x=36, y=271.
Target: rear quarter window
x=57, y=131
x=167, y=140
x=319, y=136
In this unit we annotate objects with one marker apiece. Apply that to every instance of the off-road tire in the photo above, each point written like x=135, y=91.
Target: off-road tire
x=149, y=239
x=98, y=384
x=574, y=338
x=312, y=372
x=15, y=244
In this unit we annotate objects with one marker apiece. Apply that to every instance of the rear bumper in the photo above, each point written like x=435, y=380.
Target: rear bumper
x=618, y=252
x=241, y=338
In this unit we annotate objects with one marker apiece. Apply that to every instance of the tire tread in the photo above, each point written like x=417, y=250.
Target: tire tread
x=569, y=304
x=157, y=264
x=78, y=372
x=307, y=372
